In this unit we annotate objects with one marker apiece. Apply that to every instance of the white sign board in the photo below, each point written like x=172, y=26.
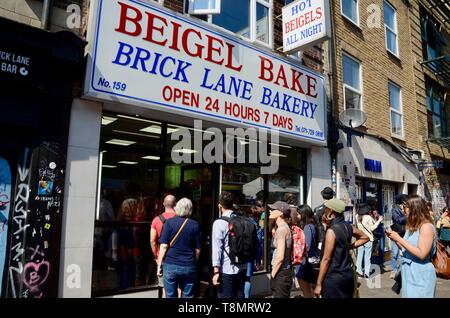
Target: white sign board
x=148, y=56
x=305, y=23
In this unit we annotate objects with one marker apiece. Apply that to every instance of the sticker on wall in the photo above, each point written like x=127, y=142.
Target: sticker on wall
x=45, y=187
x=52, y=165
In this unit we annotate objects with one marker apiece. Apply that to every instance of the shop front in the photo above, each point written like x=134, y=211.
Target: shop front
x=169, y=107
x=374, y=170
x=38, y=73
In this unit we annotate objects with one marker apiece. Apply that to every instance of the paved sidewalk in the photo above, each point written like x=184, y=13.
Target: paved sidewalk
x=370, y=288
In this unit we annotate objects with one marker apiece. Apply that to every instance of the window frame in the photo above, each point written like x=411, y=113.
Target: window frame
x=392, y=84
x=357, y=22
x=387, y=27
x=252, y=25
x=435, y=88
x=347, y=86
x=204, y=11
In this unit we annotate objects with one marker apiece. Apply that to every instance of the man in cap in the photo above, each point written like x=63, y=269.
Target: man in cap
x=327, y=194
x=282, y=274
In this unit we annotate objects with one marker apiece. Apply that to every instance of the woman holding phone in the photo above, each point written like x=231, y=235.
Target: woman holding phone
x=419, y=246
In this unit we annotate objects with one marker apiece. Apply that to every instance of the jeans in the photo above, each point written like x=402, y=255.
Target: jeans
x=395, y=255
x=248, y=280
x=364, y=253
x=232, y=286
x=179, y=276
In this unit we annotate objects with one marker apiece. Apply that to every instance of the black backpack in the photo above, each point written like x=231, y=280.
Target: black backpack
x=242, y=239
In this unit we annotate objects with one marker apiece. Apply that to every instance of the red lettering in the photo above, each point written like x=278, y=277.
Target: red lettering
x=124, y=18
x=176, y=28
x=319, y=12
x=264, y=68
x=212, y=49
x=310, y=85
x=281, y=75
x=296, y=81
x=230, y=58
x=185, y=43
x=151, y=27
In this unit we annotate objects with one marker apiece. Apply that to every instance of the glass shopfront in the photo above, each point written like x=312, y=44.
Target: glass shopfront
x=137, y=171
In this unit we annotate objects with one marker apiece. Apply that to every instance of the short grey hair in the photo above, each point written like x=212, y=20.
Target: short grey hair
x=184, y=208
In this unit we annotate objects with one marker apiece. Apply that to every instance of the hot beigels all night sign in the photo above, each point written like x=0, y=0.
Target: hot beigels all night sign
x=145, y=55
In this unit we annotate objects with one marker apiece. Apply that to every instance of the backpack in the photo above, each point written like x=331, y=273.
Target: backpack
x=242, y=239
x=298, y=251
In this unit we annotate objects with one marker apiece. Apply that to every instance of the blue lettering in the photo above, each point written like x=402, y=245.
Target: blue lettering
x=163, y=63
x=155, y=63
x=181, y=70
x=313, y=109
x=138, y=58
x=305, y=106
x=121, y=52
x=266, y=96
x=205, y=78
x=247, y=89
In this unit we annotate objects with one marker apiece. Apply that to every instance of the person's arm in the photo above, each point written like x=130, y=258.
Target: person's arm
x=439, y=224
x=330, y=242
x=423, y=248
x=162, y=254
x=281, y=246
x=361, y=238
x=154, y=241
x=373, y=225
x=198, y=243
x=216, y=253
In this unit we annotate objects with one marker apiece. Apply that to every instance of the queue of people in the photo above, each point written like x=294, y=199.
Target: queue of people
x=318, y=253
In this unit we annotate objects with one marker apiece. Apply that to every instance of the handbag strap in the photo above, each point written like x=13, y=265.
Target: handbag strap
x=178, y=233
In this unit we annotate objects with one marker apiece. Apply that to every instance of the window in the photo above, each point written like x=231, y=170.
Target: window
x=204, y=7
x=352, y=82
x=396, y=110
x=390, y=27
x=437, y=125
x=251, y=19
x=433, y=42
x=350, y=10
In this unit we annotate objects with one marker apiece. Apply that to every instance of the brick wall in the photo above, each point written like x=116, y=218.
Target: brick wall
x=378, y=66
x=435, y=179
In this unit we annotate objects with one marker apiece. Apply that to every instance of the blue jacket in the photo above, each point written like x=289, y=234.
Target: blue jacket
x=398, y=216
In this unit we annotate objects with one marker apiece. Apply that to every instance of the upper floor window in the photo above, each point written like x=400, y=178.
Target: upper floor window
x=350, y=10
x=204, y=7
x=390, y=26
x=395, y=104
x=433, y=42
x=351, y=70
x=435, y=99
x=251, y=19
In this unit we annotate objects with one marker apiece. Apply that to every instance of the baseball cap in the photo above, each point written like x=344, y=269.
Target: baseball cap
x=281, y=206
x=336, y=205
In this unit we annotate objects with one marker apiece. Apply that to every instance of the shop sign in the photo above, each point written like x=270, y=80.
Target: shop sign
x=13, y=63
x=145, y=55
x=305, y=23
x=372, y=165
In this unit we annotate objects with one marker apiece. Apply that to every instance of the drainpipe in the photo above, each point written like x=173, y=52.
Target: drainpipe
x=46, y=14
x=332, y=125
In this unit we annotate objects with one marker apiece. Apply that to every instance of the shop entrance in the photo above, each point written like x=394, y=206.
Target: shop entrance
x=198, y=185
